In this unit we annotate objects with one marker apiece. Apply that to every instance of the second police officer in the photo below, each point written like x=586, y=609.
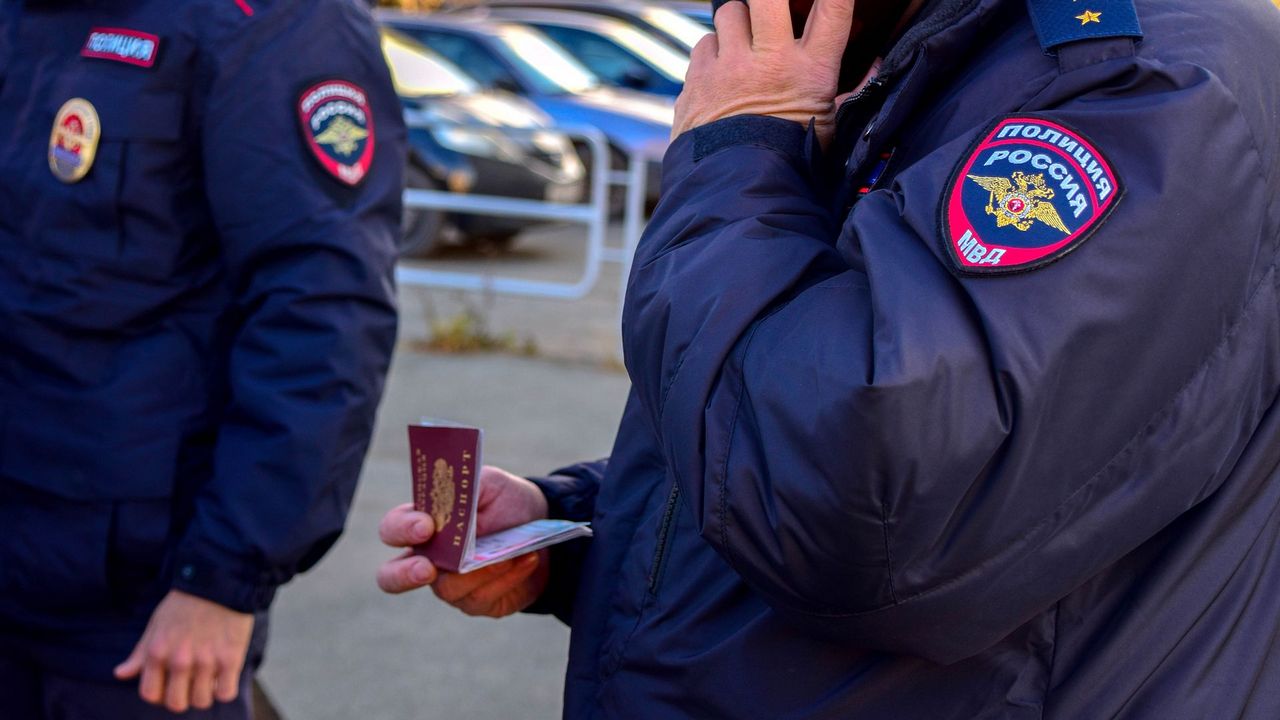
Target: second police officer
x=198, y=210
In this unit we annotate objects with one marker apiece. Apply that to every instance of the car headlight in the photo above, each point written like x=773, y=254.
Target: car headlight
x=551, y=143
x=558, y=150
x=470, y=141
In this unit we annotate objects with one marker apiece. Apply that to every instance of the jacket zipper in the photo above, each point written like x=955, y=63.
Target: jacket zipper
x=664, y=537
x=851, y=102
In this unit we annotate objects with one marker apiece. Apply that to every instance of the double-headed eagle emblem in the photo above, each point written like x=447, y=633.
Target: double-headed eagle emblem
x=442, y=493
x=1020, y=206
x=343, y=135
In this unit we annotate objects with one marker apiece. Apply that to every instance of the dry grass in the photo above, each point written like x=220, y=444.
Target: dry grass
x=468, y=332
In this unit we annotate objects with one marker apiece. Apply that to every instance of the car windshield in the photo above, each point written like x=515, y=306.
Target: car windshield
x=667, y=61
x=418, y=72
x=676, y=25
x=542, y=62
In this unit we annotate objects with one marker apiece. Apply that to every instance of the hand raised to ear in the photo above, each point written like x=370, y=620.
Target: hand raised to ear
x=754, y=65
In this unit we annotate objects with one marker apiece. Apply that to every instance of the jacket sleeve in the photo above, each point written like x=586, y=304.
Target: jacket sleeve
x=311, y=263
x=571, y=495
x=919, y=461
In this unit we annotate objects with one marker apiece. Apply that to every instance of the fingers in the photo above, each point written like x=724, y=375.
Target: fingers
x=770, y=22
x=177, y=695
x=488, y=598
x=203, y=682
x=451, y=587
x=405, y=573
x=733, y=27
x=190, y=655
x=133, y=664
x=827, y=31
x=151, y=688
x=181, y=681
x=227, y=681
x=706, y=50
x=405, y=527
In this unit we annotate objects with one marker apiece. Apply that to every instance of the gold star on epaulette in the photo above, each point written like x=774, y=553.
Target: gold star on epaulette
x=1090, y=16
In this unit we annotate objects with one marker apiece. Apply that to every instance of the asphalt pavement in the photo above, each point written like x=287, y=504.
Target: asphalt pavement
x=340, y=649
x=583, y=330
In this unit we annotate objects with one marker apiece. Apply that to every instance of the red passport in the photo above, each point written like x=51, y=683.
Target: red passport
x=446, y=485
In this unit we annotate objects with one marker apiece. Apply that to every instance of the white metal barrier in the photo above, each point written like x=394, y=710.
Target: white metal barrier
x=594, y=214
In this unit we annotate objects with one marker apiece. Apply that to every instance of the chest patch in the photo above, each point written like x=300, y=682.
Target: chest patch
x=126, y=46
x=74, y=141
x=1028, y=193
x=337, y=125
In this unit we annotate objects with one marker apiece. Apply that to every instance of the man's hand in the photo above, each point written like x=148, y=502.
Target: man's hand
x=495, y=591
x=192, y=652
x=753, y=65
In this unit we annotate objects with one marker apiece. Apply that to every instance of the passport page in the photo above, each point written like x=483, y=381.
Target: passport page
x=522, y=539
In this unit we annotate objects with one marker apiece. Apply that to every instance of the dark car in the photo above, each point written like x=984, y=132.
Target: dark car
x=617, y=52
x=485, y=142
x=519, y=59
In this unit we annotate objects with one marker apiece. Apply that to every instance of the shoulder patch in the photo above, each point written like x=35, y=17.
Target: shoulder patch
x=1058, y=22
x=126, y=46
x=1028, y=193
x=337, y=125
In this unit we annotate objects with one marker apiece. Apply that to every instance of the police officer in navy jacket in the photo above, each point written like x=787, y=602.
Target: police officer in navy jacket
x=954, y=397
x=198, y=207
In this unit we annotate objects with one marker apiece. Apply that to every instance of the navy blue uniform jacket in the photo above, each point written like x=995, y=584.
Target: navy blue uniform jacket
x=194, y=336
x=859, y=479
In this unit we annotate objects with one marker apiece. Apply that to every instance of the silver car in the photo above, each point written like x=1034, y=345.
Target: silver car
x=514, y=57
x=616, y=51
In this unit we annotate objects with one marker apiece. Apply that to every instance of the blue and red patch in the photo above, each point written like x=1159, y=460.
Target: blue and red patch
x=337, y=125
x=1030, y=192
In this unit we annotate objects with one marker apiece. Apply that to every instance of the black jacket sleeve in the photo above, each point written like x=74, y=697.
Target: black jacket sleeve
x=311, y=261
x=571, y=495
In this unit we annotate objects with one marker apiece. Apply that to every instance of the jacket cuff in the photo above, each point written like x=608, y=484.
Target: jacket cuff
x=797, y=142
x=221, y=578
x=569, y=497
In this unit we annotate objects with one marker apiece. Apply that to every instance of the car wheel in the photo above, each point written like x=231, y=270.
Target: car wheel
x=421, y=229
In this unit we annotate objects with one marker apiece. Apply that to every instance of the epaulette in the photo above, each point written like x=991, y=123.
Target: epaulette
x=1059, y=22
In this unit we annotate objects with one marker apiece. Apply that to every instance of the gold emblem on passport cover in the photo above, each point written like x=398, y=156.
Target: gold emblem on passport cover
x=443, y=497
x=74, y=141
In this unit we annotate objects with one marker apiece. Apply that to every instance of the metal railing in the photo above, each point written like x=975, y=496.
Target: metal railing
x=594, y=214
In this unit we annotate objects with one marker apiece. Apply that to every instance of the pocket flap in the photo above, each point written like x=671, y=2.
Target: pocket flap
x=128, y=113
x=156, y=118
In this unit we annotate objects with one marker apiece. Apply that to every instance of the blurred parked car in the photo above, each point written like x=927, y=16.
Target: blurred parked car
x=668, y=24
x=478, y=141
x=519, y=59
x=618, y=53
x=699, y=12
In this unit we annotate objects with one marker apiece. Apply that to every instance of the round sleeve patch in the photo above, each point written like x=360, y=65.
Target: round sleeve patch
x=338, y=127
x=1028, y=193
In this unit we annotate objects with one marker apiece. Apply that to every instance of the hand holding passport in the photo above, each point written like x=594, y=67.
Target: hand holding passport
x=447, y=485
